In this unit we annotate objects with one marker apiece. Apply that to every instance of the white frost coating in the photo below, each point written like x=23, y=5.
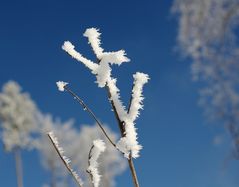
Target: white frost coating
x=103, y=73
x=61, y=85
x=117, y=57
x=65, y=159
x=97, y=148
x=129, y=143
x=115, y=97
x=70, y=49
x=137, y=98
x=94, y=39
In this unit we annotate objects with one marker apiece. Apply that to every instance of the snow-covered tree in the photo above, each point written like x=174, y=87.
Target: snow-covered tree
x=128, y=143
x=208, y=35
x=18, y=122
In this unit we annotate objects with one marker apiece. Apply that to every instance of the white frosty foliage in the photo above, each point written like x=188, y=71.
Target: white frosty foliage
x=18, y=117
x=102, y=70
x=61, y=85
x=97, y=148
x=66, y=160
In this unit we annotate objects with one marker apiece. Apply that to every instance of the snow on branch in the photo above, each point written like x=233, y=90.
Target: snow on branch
x=97, y=148
x=64, y=158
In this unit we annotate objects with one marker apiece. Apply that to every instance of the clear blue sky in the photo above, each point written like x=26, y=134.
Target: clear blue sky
x=178, y=149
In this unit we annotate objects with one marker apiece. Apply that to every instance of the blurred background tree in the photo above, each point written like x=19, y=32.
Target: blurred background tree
x=208, y=35
x=18, y=123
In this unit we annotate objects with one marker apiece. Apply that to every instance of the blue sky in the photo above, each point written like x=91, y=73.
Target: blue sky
x=178, y=142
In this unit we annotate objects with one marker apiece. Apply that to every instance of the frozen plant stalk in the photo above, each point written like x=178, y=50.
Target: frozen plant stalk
x=126, y=117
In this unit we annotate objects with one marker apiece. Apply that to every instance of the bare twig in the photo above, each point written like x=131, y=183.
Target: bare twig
x=85, y=107
x=133, y=171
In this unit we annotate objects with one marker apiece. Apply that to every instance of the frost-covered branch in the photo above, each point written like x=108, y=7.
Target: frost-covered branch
x=137, y=97
x=70, y=49
x=97, y=148
x=94, y=39
x=104, y=78
x=128, y=143
x=64, y=158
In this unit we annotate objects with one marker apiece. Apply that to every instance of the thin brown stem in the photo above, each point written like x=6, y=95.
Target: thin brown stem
x=19, y=172
x=64, y=162
x=133, y=171
x=85, y=107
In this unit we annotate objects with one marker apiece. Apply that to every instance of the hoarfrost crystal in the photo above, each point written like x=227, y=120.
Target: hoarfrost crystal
x=61, y=85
